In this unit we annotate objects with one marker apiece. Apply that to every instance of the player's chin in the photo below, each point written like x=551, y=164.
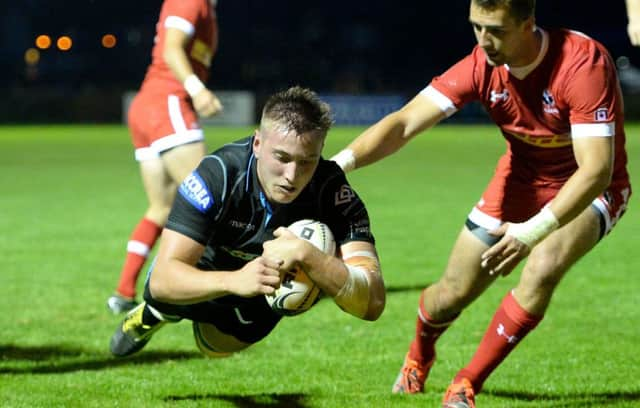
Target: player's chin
x=283, y=195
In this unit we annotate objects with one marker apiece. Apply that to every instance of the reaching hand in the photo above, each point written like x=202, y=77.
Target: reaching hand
x=505, y=255
x=258, y=277
x=206, y=103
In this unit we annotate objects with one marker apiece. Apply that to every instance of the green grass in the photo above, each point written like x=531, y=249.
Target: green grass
x=69, y=196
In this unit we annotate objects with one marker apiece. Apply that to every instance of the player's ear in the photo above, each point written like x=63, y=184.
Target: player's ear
x=257, y=138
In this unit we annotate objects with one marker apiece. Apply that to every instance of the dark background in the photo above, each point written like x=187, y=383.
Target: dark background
x=347, y=46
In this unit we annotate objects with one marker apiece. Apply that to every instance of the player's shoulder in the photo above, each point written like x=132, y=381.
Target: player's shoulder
x=575, y=46
x=232, y=157
x=326, y=171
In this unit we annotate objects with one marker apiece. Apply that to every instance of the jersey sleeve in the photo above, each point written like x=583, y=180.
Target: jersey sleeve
x=343, y=211
x=458, y=84
x=198, y=201
x=591, y=94
x=182, y=14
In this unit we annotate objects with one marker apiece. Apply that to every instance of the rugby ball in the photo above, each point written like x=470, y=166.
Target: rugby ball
x=297, y=293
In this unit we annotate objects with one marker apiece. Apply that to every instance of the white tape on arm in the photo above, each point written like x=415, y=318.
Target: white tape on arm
x=346, y=160
x=353, y=297
x=193, y=85
x=535, y=229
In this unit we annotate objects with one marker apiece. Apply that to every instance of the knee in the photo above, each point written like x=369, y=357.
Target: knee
x=451, y=296
x=158, y=213
x=543, y=270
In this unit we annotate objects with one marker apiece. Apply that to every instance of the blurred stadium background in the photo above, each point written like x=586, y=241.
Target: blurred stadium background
x=75, y=61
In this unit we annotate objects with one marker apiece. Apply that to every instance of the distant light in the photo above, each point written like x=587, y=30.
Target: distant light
x=64, y=43
x=32, y=56
x=109, y=41
x=43, y=41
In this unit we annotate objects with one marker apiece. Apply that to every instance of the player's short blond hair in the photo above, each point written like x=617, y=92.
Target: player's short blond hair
x=520, y=10
x=299, y=110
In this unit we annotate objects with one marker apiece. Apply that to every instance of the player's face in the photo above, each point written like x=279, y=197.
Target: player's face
x=501, y=36
x=286, y=161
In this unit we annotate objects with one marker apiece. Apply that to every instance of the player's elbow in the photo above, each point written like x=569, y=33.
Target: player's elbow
x=376, y=307
x=158, y=287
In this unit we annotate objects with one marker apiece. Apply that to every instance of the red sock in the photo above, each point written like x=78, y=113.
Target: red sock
x=140, y=243
x=509, y=326
x=423, y=346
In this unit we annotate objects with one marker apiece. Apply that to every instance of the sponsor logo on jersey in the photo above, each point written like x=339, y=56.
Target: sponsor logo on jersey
x=344, y=195
x=195, y=191
x=236, y=253
x=543, y=140
x=601, y=114
x=242, y=225
x=499, y=96
x=548, y=102
x=201, y=52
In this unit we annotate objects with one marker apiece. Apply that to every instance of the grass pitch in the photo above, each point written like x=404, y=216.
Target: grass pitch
x=69, y=196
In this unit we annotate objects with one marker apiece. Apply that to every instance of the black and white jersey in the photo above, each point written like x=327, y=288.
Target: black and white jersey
x=222, y=206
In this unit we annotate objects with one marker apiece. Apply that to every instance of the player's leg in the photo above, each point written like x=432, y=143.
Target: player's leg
x=182, y=160
x=159, y=190
x=184, y=147
x=523, y=308
x=143, y=119
x=440, y=303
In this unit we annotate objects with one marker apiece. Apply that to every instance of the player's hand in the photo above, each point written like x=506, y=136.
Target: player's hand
x=260, y=276
x=287, y=247
x=633, y=29
x=206, y=103
x=505, y=255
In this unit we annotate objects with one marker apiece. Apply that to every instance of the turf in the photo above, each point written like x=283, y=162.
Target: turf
x=69, y=196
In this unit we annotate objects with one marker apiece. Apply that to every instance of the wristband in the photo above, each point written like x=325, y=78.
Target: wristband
x=535, y=229
x=353, y=297
x=193, y=85
x=345, y=159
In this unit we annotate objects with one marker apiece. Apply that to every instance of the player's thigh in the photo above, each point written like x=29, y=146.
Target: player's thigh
x=552, y=258
x=464, y=278
x=183, y=159
x=158, y=185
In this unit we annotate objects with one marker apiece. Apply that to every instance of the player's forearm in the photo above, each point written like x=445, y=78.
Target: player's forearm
x=355, y=283
x=176, y=59
x=377, y=142
x=579, y=191
x=179, y=283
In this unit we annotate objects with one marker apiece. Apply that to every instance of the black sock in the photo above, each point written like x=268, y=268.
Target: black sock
x=149, y=318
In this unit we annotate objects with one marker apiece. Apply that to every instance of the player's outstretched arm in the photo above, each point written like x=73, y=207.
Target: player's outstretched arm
x=390, y=133
x=175, y=279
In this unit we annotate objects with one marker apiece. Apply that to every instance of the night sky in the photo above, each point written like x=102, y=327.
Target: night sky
x=343, y=46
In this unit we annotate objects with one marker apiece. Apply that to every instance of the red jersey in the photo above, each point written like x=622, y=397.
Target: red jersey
x=571, y=91
x=197, y=18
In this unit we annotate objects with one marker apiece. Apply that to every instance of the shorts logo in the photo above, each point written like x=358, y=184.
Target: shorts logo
x=601, y=114
x=344, y=195
x=194, y=190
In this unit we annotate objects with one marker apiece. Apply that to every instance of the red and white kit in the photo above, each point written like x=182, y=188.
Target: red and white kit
x=564, y=94
x=161, y=115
